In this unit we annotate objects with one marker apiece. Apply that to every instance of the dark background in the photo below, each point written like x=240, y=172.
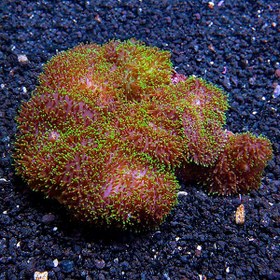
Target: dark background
x=234, y=44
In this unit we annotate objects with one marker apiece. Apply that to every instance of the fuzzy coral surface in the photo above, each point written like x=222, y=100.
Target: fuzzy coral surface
x=110, y=127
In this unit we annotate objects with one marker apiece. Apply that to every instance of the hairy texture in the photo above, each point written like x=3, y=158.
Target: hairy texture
x=110, y=126
x=203, y=117
x=239, y=168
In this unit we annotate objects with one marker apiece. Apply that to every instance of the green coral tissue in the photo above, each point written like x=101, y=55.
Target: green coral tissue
x=111, y=127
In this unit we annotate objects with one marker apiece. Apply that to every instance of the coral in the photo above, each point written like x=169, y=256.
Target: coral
x=203, y=117
x=237, y=170
x=239, y=167
x=109, y=127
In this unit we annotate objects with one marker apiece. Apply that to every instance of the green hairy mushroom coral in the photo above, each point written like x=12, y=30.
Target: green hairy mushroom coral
x=110, y=127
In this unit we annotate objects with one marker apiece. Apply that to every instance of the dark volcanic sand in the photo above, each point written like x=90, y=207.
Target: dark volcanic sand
x=235, y=45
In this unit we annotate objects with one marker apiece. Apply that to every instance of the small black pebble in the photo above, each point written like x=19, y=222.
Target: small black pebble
x=67, y=266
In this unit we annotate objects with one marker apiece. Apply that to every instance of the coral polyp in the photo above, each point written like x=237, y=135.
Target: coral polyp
x=109, y=127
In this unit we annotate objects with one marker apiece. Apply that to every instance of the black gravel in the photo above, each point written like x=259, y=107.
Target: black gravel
x=234, y=44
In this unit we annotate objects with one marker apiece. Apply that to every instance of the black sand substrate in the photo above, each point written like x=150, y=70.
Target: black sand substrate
x=234, y=44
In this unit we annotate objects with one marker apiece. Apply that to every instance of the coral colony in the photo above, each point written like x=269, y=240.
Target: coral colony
x=110, y=128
